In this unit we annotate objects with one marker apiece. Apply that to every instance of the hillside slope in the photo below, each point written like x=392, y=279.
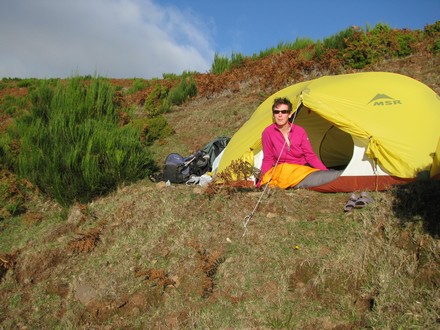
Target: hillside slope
x=179, y=257
x=225, y=102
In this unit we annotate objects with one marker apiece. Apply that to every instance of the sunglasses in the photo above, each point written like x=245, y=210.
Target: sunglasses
x=275, y=112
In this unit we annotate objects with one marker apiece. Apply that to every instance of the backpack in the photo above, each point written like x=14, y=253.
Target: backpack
x=175, y=169
x=178, y=169
x=214, y=148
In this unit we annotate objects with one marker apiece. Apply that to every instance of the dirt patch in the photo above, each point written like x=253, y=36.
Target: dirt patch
x=38, y=266
x=7, y=262
x=99, y=308
x=301, y=277
x=429, y=276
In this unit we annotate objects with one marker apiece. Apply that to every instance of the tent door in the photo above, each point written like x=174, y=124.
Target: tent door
x=333, y=146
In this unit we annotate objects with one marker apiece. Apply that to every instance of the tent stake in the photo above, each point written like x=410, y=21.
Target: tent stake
x=250, y=215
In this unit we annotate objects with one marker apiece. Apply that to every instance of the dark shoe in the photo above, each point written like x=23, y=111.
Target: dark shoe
x=351, y=203
x=363, y=200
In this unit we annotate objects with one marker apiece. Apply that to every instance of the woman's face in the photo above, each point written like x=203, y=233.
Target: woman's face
x=281, y=114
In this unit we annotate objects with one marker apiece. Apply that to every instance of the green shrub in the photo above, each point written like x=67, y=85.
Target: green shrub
x=9, y=79
x=71, y=146
x=379, y=43
x=183, y=91
x=340, y=39
x=8, y=155
x=14, y=193
x=12, y=105
x=357, y=47
x=358, y=53
x=319, y=50
x=156, y=128
x=300, y=43
x=435, y=48
x=155, y=99
x=26, y=82
x=41, y=99
x=433, y=32
x=405, y=44
x=237, y=60
x=164, y=106
x=170, y=76
x=161, y=98
x=432, y=29
x=220, y=64
x=138, y=85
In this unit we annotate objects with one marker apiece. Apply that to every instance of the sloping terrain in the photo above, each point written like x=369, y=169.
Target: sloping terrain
x=179, y=257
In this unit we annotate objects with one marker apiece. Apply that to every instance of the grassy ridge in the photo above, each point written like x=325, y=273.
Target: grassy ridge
x=355, y=47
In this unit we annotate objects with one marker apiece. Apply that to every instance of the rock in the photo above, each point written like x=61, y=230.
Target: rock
x=85, y=293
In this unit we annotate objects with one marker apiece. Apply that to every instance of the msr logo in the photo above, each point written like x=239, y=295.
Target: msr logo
x=383, y=99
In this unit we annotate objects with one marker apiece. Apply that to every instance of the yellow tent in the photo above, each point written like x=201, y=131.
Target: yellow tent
x=380, y=128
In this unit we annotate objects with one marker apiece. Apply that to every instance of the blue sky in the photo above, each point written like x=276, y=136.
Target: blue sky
x=250, y=26
x=146, y=38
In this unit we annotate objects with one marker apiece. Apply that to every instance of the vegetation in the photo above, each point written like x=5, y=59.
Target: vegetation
x=183, y=91
x=138, y=85
x=357, y=47
x=122, y=252
x=70, y=145
x=223, y=63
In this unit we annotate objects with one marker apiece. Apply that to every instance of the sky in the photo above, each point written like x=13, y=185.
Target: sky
x=147, y=38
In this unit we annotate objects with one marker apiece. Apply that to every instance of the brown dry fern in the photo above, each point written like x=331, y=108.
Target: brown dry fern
x=158, y=276
x=86, y=242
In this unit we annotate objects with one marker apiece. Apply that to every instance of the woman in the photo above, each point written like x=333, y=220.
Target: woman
x=288, y=156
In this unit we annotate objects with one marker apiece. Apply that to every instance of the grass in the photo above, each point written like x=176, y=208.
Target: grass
x=303, y=263
x=178, y=257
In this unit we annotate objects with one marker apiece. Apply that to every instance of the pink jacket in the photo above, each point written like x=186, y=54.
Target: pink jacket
x=300, y=150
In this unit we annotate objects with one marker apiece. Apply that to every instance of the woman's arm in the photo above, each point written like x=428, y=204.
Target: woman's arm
x=268, y=157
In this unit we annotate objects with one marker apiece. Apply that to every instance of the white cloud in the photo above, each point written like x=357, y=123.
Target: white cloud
x=112, y=38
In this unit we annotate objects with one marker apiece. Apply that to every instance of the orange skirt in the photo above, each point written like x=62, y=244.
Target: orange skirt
x=286, y=175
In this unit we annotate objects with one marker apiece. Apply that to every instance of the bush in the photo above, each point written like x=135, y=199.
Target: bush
x=11, y=105
x=26, y=82
x=71, y=146
x=237, y=60
x=14, y=193
x=405, y=44
x=339, y=40
x=156, y=128
x=8, y=151
x=433, y=32
x=183, y=91
x=155, y=99
x=138, y=85
x=380, y=43
x=319, y=51
x=432, y=29
x=358, y=54
x=220, y=64
x=435, y=48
